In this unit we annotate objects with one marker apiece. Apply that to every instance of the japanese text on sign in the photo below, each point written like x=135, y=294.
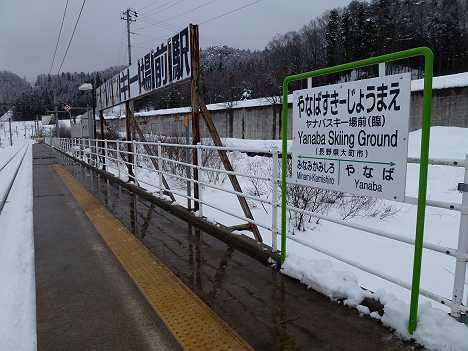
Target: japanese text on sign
x=353, y=137
x=166, y=64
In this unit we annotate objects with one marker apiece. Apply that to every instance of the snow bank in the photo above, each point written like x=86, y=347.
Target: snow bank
x=445, y=142
x=321, y=276
x=17, y=289
x=436, y=330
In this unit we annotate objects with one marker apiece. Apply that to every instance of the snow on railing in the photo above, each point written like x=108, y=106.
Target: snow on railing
x=108, y=154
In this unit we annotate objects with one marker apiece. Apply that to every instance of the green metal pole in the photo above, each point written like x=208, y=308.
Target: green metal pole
x=421, y=212
x=424, y=157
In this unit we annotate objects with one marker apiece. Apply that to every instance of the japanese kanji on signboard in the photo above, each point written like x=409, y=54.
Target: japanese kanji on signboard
x=353, y=137
x=167, y=63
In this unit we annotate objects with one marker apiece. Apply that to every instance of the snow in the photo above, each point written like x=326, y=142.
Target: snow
x=343, y=282
x=445, y=142
x=436, y=331
x=17, y=290
x=321, y=276
x=18, y=130
x=443, y=82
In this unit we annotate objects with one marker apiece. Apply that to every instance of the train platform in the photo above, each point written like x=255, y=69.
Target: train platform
x=115, y=272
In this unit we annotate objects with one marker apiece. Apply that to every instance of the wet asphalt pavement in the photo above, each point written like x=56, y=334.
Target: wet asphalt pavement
x=84, y=298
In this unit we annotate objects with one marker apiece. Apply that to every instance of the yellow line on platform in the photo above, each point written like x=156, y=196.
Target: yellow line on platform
x=190, y=320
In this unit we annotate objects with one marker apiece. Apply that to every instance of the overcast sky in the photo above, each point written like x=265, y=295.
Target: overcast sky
x=29, y=28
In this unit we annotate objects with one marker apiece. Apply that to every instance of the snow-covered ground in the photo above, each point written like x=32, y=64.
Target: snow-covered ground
x=17, y=287
x=20, y=130
x=339, y=280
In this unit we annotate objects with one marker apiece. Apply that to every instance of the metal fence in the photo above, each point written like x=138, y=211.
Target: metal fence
x=113, y=155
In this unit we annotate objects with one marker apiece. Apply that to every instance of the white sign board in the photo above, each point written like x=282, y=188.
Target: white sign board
x=168, y=63
x=353, y=137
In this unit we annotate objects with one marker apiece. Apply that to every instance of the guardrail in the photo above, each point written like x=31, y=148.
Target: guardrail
x=113, y=155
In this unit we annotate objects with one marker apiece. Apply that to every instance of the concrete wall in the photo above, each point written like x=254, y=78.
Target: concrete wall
x=449, y=106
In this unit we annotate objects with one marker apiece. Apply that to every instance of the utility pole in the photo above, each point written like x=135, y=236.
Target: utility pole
x=57, y=132
x=129, y=15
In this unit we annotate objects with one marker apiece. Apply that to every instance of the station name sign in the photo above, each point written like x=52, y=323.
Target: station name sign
x=168, y=63
x=353, y=137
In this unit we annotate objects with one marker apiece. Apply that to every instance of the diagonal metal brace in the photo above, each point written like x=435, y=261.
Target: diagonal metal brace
x=149, y=151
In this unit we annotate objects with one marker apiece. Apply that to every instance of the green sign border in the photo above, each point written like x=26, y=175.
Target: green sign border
x=424, y=156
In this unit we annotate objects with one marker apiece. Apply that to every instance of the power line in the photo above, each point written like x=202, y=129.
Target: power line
x=71, y=38
x=152, y=3
x=169, y=29
x=159, y=9
x=152, y=37
x=231, y=11
x=58, y=38
x=184, y=12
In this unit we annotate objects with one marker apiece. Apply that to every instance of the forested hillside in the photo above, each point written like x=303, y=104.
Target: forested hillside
x=11, y=88
x=40, y=98
x=359, y=30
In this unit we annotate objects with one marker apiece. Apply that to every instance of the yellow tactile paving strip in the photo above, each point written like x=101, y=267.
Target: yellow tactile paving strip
x=190, y=320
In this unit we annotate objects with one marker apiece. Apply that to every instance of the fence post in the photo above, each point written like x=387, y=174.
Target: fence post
x=104, y=166
x=96, y=156
x=274, y=200
x=382, y=69
x=200, y=187
x=160, y=169
x=134, y=151
x=460, y=268
x=117, y=155
x=90, y=151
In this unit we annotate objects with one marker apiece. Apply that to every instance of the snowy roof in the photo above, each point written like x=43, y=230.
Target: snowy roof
x=213, y=107
x=443, y=82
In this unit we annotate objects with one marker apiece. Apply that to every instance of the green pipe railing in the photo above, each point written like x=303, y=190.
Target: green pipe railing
x=424, y=157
